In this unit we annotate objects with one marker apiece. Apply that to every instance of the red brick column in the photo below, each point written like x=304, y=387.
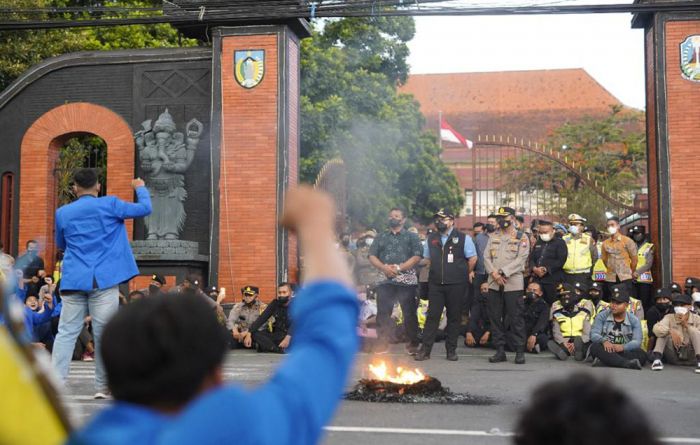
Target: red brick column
x=683, y=138
x=259, y=151
x=39, y=152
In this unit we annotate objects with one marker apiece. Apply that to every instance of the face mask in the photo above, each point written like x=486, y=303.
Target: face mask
x=530, y=297
x=394, y=223
x=594, y=296
x=612, y=230
x=573, y=230
x=663, y=307
x=153, y=289
x=490, y=228
x=638, y=237
x=680, y=310
x=369, y=241
x=568, y=303
x=441, y=226
x=696, y=297
x=283, y=300
x=345, y=242
x=503, y=223
x=546, y=237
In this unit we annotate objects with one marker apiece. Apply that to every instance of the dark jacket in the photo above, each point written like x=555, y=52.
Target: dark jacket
x=442, y=271
x=551, y=255
x=654, y=316
x=277, y=310
x=536, y=316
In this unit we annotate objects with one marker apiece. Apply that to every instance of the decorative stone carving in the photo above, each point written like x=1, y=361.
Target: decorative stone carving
x=165, y=155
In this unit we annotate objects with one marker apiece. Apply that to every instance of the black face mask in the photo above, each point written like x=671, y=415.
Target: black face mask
x=663, y=307
x=153, y=289
x=345, y=242
x=530, y=297
x=490, y=228
x=594, y=297
x=441, y=226
x=638, y=237
x=568, y=303
x=394, y=223
x=503, y=223
x=283, y=300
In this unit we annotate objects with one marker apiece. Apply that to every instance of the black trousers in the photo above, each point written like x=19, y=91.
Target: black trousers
x=507, y=305
x=269, y=341
x=387, y=296
x=617, y=359
x=550, y=292
x=644, y=292
x=573, y=278
x=450, y=296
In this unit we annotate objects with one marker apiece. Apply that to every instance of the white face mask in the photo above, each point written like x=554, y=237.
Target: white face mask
x=612, y=230
x=696, y=296
x=573, y=230
x=546, y=237
x=680, y=310
x=369, y=241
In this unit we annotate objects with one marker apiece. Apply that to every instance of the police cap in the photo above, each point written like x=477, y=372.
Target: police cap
x=620, y=294
x=565, y=289
x=664, y=292
x=158, y=278
x=444, y=213
x=575, y=217
x=692, y=282
x=682, y=299
x=250, y=290
x=505, y=211
x=583, y=287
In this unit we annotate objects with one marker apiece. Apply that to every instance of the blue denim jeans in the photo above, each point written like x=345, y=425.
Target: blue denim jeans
x=101, y=305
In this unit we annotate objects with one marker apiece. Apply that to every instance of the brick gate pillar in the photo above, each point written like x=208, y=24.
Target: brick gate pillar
x=256, y=119
x=673, y=138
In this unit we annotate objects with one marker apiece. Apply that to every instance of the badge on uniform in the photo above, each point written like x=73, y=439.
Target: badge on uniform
x=455, y=240
x=450, y=258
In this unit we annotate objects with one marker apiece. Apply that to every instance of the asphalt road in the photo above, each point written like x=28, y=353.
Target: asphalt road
x=670, y=397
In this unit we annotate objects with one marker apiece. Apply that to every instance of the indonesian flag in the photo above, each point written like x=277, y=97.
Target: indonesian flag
x=447, y=133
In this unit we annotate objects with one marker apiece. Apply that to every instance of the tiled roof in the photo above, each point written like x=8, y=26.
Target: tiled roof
x=524, y=104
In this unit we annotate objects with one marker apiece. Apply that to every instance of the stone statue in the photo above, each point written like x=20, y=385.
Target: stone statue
x=165, y=155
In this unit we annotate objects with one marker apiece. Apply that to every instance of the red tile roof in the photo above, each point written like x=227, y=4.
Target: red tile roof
x=524, y=104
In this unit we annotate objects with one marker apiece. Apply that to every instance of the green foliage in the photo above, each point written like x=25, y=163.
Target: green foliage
x=79, y=152
x=19, y=50
x=351, y=109
x=612, y=150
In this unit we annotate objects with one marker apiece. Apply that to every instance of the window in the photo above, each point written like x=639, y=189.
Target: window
x=7, y=191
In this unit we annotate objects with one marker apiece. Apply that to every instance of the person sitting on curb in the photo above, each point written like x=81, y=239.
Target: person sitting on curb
x=616, y=335
x=678, y=336
x=571, y=326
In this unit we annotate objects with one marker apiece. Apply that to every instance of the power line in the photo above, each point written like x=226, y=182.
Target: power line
x=218, y=11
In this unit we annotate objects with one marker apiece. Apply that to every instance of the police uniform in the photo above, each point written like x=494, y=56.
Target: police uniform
x=582, y=253
x=506, y=254
x=450, y=256
x=243, y=315
x=571, y=323
x=645, y=261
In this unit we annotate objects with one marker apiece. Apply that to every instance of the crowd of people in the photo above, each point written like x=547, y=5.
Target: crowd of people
x=559, y=288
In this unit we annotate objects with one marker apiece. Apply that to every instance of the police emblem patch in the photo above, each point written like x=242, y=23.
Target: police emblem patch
x=690, y=58
x=455, y=240
x=249, y=67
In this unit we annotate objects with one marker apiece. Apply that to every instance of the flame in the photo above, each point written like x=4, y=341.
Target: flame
x=402, y=376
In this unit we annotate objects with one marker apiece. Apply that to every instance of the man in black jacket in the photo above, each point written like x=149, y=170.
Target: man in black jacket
x=536, y=319
x=547, y=260
x=278, y=338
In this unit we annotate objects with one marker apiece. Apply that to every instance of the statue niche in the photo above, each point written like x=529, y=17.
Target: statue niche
x=165, y=154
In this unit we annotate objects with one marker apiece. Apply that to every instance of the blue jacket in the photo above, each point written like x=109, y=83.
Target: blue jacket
x=291, y=408
x=92, y=234
x=34, y=321
x=631, y=331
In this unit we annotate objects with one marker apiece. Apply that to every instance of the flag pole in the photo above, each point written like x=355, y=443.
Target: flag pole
x=440, y=128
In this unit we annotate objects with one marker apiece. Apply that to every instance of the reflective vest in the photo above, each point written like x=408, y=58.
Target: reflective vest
x=599, y=270
x=579, y=258
x=642, y=261
x=422, y=313
x=571, y=326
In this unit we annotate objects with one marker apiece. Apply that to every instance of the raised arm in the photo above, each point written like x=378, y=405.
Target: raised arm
x=138, y=209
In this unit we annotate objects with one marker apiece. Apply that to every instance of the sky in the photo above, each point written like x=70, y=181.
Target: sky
x=605, y=45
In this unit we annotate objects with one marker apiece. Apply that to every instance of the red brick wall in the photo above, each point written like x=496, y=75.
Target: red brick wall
x=683, y=98
x=293, y=154
x=248, y=218
x=39, y=151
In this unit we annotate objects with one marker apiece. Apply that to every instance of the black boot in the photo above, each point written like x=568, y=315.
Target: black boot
x=422, y=354
x=452, y=356
x=520, y=358
x=499, y=356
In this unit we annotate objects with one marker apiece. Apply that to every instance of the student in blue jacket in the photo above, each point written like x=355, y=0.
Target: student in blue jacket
x=164, y=359
x=97, y=258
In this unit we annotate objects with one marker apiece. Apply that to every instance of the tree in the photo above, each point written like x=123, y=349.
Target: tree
x=19, y=50
x=80, y=151
x=351, y=109
x=612, y=150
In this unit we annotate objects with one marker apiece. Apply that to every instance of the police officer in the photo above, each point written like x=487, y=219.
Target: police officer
x=645, y=260
x=571, y=326
x=243, y=315
x=452, y=259
x=505, y=258
x=582, y=252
